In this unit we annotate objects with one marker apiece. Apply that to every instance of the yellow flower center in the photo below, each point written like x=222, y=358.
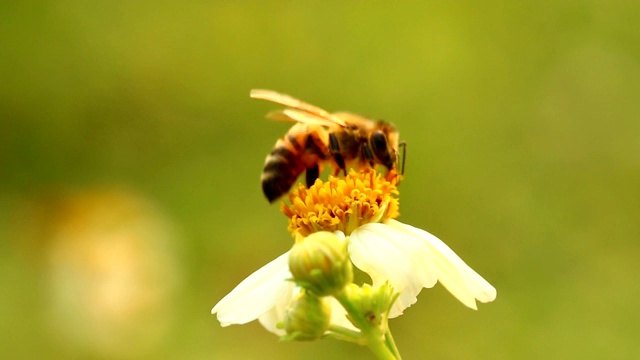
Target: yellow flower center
x=342, y=203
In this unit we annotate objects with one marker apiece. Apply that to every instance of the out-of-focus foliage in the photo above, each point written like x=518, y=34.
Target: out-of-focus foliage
x=130, y=157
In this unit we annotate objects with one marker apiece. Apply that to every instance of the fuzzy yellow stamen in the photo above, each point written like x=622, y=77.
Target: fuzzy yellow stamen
x=342, y=203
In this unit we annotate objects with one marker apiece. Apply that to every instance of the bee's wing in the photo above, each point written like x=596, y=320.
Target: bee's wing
x=287, y=100
x=300, y=117
x=300, y=111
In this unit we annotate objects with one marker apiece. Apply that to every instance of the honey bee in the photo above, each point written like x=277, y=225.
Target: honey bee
x=320, y=138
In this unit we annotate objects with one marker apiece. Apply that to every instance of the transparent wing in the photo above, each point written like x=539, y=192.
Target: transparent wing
x=300, y=117
x=297, y=108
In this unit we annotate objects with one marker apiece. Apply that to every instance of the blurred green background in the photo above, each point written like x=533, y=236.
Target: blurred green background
x=130, y=156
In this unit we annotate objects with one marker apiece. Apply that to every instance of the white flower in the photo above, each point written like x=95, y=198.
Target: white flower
x=359, y=209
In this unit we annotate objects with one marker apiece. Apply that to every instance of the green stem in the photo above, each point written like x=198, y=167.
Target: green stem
x=344, y=334
x=391, y=344
x=375, y=342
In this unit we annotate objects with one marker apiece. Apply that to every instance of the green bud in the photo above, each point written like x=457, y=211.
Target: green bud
x=371, y=302
x=320, y=263
x=307, y=318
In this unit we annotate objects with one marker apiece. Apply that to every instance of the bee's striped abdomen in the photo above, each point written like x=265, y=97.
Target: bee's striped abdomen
x=281, y=168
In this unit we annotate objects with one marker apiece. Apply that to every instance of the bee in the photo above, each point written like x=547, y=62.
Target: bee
x=319, y=138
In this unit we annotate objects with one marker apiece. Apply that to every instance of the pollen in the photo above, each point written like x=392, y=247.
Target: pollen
x=342, y=203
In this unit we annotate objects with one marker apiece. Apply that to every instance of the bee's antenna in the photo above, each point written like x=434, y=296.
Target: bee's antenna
x=404, y=155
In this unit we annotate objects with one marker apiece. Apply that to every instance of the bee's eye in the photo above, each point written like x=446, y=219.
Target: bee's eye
x=380, y=148
x=378, y=142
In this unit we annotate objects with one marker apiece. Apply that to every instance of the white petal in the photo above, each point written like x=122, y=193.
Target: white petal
x=389, y=254
x=456, y=276
x=276, y=314
x=256, y=294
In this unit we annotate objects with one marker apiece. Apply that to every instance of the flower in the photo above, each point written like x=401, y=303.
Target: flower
x=363, y=206
x=359, y=209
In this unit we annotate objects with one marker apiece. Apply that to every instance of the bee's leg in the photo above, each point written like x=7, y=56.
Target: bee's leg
x=334, y=147
x=316, y=147
x=312, y=175
x=367, y=154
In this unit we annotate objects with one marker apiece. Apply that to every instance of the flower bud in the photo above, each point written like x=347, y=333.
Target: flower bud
x=371, y=302
x=307, y=317
x=320, y=263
